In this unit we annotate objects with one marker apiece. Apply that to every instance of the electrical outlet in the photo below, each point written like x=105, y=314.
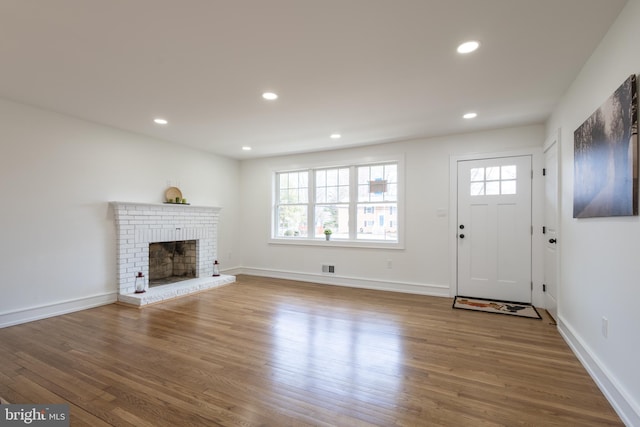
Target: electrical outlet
x=605, y=327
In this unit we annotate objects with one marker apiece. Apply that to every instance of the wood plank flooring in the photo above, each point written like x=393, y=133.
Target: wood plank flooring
x=266, y=352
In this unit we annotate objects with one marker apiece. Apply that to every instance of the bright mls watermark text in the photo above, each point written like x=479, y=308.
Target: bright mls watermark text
x=34, y=415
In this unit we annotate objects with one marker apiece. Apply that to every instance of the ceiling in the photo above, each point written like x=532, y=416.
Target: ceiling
x=372, y=70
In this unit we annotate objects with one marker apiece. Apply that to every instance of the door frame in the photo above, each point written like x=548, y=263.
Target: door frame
x=537, y=215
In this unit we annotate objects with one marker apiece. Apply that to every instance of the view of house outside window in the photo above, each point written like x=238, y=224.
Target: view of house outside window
x=377, y=202
x=357, y=202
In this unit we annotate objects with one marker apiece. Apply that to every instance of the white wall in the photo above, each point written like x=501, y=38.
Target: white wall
x=57, y=175
x=599, y=266
x=423, y=265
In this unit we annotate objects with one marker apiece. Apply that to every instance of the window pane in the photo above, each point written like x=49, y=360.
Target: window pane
x=509, y=172
x=343, y=194
x=477, y=174
x=509, y=187
x=293, y=180
x=477, y=189
x=363, y=175
x=363, y=193
x=332, y=186
x=343, y=176
x=377, y=222
x=492, y=188
x=376, y=197
x=391, y=173
x=377, y=172
x=284, y=180
x=392, y=193
x=493, y=173
x=303, y=179
x=334, y=218
x=293, y=187
x=332, y=177
x=332, y=194
x=303, y=195
x=292, y=221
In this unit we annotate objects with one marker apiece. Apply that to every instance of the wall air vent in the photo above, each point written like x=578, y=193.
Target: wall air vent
x=328, y=268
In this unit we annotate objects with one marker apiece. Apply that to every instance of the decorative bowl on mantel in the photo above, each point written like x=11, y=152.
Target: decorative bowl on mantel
x=174, y=195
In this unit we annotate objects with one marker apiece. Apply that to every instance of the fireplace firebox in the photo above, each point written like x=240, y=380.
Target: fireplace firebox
x=171, y=262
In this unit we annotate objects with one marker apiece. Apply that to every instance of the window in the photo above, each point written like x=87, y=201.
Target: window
x=332, y=202
x=292, y=207
x=378, y=196
x=357, y=203
x=493, y=181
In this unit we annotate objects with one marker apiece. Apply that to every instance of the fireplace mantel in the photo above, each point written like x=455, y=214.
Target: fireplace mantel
x=139, y=224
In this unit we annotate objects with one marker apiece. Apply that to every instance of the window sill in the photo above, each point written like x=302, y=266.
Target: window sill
x=341, y=243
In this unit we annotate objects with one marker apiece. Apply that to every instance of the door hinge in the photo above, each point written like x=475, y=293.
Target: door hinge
x=544, y=288
x=544, y=230
x=531, y=173
x=544, y=172
x=532, y=285
x=532, y=230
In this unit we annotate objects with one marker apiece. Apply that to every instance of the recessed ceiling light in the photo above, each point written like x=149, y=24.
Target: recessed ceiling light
x=468, y=47
x=270, y=96
x=246, y=148
x=470, y=116
x=335, y=136
x=160, y=121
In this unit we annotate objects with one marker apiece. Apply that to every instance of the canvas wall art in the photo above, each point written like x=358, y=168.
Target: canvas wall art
x=606, y=157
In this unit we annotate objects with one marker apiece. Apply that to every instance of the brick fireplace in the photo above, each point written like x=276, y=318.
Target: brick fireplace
x=140, y=224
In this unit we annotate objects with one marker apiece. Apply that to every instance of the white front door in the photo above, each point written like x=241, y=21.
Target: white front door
x=494, y=228
x=551, y=229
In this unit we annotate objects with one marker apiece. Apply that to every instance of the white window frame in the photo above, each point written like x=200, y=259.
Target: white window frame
x=352, y=241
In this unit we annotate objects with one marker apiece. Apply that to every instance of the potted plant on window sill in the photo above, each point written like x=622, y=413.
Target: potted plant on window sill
x=327, y=234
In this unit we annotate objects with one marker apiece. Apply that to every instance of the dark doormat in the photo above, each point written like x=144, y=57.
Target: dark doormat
x=497, y=307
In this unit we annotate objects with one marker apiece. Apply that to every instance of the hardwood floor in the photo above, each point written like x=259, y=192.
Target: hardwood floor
x=266, y=352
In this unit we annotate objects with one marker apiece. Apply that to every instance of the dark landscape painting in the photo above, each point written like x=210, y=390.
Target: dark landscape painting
x=606, y=157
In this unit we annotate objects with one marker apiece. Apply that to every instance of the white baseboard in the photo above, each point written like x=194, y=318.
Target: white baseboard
x=49, y=310
x=627, y=409
x=353, y=282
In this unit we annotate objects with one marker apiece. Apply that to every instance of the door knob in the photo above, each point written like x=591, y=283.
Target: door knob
x=462, y=236
x=552, y=240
